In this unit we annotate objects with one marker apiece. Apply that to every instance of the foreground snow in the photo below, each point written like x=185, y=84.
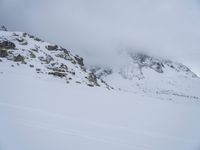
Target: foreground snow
x=45, y=114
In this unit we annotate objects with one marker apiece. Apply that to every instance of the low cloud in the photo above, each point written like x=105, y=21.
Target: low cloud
x=97, y=29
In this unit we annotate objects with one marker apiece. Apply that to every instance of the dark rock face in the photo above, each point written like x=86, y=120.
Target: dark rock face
x=146, y=61
x=7, y=45
x=93, y=79
x=47, y=59
x=99, y=72
x=58, y=74
x=38, y=69
x=79, y=60
x=32, y=55
x=51, y=47
x=3, y=53
x=19, y=58
x=22, y=41
x=157, y=67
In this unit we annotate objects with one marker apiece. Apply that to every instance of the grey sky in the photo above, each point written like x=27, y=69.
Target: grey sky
x=96, y=29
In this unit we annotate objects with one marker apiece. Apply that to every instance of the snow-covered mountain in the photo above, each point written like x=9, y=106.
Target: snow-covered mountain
x=142, y=74
x=26, y=53
x=151, y=76
x=47, y=103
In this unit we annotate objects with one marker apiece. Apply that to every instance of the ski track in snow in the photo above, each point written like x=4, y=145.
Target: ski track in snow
x=69, y=131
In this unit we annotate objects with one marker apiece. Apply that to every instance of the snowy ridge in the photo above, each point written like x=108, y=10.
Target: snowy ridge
x=26, y=54
x=18, y=49
x=152, y=76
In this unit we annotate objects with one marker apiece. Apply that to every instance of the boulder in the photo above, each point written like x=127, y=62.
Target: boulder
x=3, y=53
x=51, y=47
x=7, y=45
x=79, y=60
x=93, y=79
x=19, y=58
x=58, y=74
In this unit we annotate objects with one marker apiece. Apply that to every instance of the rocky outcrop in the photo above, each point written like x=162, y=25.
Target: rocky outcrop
x=5, y=45
x=51, y=47
x=47, y=59
x=19, y=58
x=3, y=53
x=146, y=61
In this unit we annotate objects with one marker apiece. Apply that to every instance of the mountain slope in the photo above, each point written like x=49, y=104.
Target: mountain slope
x=21, y=51
x=142, y=74
x=152, y=76
x=39, y=111
x=45, y=115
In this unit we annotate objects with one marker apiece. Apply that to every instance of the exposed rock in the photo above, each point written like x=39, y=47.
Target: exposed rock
x=38, y=69
x=51, y=47
x=63, y=66
x=145, y=61
x=32, y=55
x=157, y=67
x=7, y=45
x=72, y=72
x=38, y=39
x=57, y=69
x=58, y=74
x=19, y=58
x=79, y=60
x=3, y=53
x=101, y=72
x=22, y=41
x=47, y=60
x=91, y=85
x=53, y=59
x=35, y=50
x=73, y=61
x=64, y=55
x=24, y=34
x=93, y=79
x=32, y=37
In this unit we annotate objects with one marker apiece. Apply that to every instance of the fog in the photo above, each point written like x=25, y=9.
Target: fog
x=98, y=29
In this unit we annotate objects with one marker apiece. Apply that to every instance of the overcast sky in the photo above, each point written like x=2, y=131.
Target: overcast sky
x=96, y=29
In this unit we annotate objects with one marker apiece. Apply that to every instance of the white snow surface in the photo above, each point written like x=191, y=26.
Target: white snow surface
x=44, y=113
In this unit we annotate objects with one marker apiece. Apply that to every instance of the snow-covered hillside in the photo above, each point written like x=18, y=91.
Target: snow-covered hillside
x=147, y=75
x=47, y=103
x=23, y=52
x=40, y=114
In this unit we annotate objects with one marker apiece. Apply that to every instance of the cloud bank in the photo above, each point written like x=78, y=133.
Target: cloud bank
x=97, y=29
